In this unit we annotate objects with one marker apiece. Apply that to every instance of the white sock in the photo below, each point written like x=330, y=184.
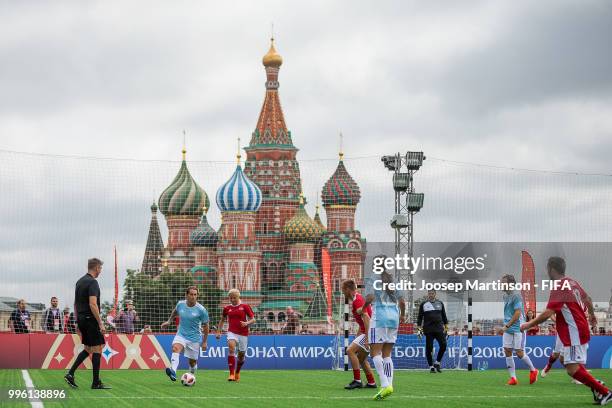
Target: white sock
x=378, y=363
x=510, y=365
x=193, y=369
x=389, y=369
x=174, y=361
x=527, y=361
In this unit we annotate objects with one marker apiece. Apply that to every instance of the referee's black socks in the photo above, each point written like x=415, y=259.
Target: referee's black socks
x=95, y=362
x=80, y=358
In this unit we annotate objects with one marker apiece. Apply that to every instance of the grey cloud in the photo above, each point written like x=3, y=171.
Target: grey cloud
x=515, y=84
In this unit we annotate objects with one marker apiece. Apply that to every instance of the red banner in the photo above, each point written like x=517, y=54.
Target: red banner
x=58, y=351
x=528, y=276
x=327, y=283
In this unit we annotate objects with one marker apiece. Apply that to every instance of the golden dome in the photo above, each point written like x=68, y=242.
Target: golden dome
x=272, y=58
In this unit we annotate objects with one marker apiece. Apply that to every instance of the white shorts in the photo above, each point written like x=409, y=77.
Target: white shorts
x=515, y=341
x=191, y=349
x=360, y=341
x=575, y=354
x=380, y=335
x=241, y=341
x=558, y=345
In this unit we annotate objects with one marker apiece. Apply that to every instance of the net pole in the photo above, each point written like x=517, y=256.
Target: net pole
x=346, y=332
x=469, y=339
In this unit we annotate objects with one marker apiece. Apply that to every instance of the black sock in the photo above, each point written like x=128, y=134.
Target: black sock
x=95, y=360
x=80, y=358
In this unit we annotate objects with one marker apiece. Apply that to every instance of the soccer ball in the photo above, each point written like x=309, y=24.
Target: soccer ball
x=188, y=380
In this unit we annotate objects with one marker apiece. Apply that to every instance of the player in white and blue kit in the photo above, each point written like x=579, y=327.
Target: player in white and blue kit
x=188, y=340
x=388, y=310
x=513, y=338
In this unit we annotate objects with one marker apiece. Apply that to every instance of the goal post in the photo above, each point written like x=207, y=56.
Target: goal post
x=409, y=350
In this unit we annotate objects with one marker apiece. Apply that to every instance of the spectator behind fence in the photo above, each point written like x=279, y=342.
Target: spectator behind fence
x=146, y=329
x=52, y=318
x=293, y=322
x=20, y=319
x=535, y=329
x=69, y=322
x=125, y=321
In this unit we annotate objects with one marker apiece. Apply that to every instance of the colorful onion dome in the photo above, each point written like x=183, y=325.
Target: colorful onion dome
x=204, y=235
x=239, y=193
x=183, y=196
x=340, y=189
x=302, y=228
x=272, y=58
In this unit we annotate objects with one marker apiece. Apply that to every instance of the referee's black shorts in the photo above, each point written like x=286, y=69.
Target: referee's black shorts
x=90, y=331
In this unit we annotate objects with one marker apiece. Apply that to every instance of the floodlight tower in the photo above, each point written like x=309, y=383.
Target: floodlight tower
x=407, y=203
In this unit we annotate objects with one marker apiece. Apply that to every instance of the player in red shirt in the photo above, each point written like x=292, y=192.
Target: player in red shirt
x=360, y=348
x=567, y=303
x=239, y=317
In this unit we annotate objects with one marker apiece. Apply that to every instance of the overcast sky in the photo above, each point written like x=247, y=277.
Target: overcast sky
x=514, y=84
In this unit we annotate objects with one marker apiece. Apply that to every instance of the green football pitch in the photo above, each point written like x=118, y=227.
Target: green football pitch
x=293, y=388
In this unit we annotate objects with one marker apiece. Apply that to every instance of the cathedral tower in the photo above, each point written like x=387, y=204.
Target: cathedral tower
x=346, y=248
x=271, y=163
x=238, y=251
x=181, y=203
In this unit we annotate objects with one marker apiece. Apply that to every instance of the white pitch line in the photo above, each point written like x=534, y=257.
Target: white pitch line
x=30, y=384
x=313, y=397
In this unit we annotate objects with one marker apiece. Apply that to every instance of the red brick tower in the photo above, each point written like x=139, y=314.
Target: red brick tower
x=340, y=197
x=271, y=163
x=238, y=252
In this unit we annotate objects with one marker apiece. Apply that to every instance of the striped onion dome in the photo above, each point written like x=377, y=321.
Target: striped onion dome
x=239, y=193
x=183, y=196
x=204, y=235
x=340, y=189
x=302, y=228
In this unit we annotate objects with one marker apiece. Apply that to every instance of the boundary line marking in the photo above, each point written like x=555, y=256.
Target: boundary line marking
x=36, y=403
x=312, y=397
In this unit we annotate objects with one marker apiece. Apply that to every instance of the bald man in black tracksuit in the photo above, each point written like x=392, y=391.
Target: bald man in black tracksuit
x=432, y=320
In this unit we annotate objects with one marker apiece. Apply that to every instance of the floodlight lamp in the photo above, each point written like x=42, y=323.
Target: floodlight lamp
x=414, y=160
x=390, y=162
x=415, y=201
x=399, y=221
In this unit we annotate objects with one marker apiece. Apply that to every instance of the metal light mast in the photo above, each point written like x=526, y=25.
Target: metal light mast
x=407, y=203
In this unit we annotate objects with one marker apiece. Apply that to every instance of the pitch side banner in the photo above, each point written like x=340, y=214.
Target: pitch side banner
x=53, y=351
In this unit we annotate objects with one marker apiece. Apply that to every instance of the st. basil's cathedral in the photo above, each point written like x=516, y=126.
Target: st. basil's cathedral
x=267, y=246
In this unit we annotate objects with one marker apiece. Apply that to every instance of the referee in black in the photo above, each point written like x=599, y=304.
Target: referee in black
x=433, y=323
x=87, y=311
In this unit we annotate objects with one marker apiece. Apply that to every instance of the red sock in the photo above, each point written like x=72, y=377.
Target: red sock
x=240, y=363
x=370, y=378
x=231, y=362
x=587, y=379
x=356, y=374
x=552, y=359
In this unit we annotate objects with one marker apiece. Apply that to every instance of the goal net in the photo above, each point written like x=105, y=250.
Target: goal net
x=217, y=226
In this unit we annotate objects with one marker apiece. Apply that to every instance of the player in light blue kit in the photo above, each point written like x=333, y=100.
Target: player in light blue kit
x=193, y=317
x=388, y=309
x=513, y=338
